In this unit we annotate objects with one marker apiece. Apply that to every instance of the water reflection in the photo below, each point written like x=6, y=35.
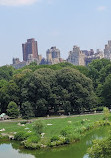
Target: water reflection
x=6, y=150
x=86, y=156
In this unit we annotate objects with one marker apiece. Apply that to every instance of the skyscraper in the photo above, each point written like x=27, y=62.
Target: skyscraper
x=30, y=48
x=107, y=50
x=53, y=55
x=76, y=57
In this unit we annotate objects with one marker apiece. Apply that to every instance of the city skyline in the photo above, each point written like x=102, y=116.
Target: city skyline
x=53, y=23
x=30, y=57
x=53, y=55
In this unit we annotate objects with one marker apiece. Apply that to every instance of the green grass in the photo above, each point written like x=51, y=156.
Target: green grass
x=10, y=127
x=76, y=126
x=57, y=124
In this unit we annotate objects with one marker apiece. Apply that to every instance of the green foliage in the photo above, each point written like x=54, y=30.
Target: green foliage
x=20, y=136
x=101, y=148
x=99, y=108
x=41, y=89
x=6, y=72
x=29, y=140
x=78, y=87
x=67, y=107
x=29, y=145
x=46, y=89
x=66, y=131
x=26, y=110
x=106, y=91
x=41, y=107
x=12, y=110
x=23, y=122
x=54, y=138
x=9, y=92
x=99, y=73
x=106, y=112
x=60, y=140
x=38, y=127
x=73, y=127
x=33, y=139
x=3, y=82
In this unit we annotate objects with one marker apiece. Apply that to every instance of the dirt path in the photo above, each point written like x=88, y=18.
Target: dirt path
x=51, y=117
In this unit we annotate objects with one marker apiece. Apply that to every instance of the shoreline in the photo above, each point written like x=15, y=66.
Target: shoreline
x=77, y=127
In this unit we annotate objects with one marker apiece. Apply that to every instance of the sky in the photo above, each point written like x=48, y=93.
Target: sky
x=60, y=23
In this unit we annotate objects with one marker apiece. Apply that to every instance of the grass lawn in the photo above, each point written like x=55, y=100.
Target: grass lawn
x=74, y=122
x=53, y=127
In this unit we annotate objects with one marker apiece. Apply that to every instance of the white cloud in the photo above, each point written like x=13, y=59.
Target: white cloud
x=101, y=8
x=17, y=2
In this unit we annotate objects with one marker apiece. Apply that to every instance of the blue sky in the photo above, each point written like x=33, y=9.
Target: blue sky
x=60, y=23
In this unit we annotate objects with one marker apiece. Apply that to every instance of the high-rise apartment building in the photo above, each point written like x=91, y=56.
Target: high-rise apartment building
x=107, y=51
x=30, y=48
x=76, y=57
x=53, y=55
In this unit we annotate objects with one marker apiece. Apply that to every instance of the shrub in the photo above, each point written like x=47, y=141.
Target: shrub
x=38, y=127
x=30, y=145
x=74, y=137
x=66, y=131
x=106, y=112
x=51, y=144
x=20, y=136
x=67, y=140
x=23, y=122
x=63, y=140
x=54, y=138
x=99, y=108
x=12, y=110
x=101, y=123
x=56, y=141
x=100, y=148
x=33, y=139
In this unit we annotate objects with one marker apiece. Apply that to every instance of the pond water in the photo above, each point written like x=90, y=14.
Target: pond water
x=77, y=150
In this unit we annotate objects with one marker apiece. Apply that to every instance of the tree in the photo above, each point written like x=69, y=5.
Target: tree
x=78, y=89
x=9, y=92
x=4, y=98
x=99, y=69
x=6, y=72
x=12, y=110
x=67, y=107
x=105, y=71
x=2, y=83
x=41, y=107
x=101, y=148
x=96, y=70
x=37, y=89
x=27, y=110
x=106, y=91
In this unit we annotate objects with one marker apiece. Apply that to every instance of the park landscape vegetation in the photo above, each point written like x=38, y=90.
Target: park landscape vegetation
x=52, y=132
x=38, y=91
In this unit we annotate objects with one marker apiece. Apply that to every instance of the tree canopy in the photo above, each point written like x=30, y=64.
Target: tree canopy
x=46, y=89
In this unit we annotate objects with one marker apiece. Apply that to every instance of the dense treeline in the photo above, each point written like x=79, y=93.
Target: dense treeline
x=40, y=90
